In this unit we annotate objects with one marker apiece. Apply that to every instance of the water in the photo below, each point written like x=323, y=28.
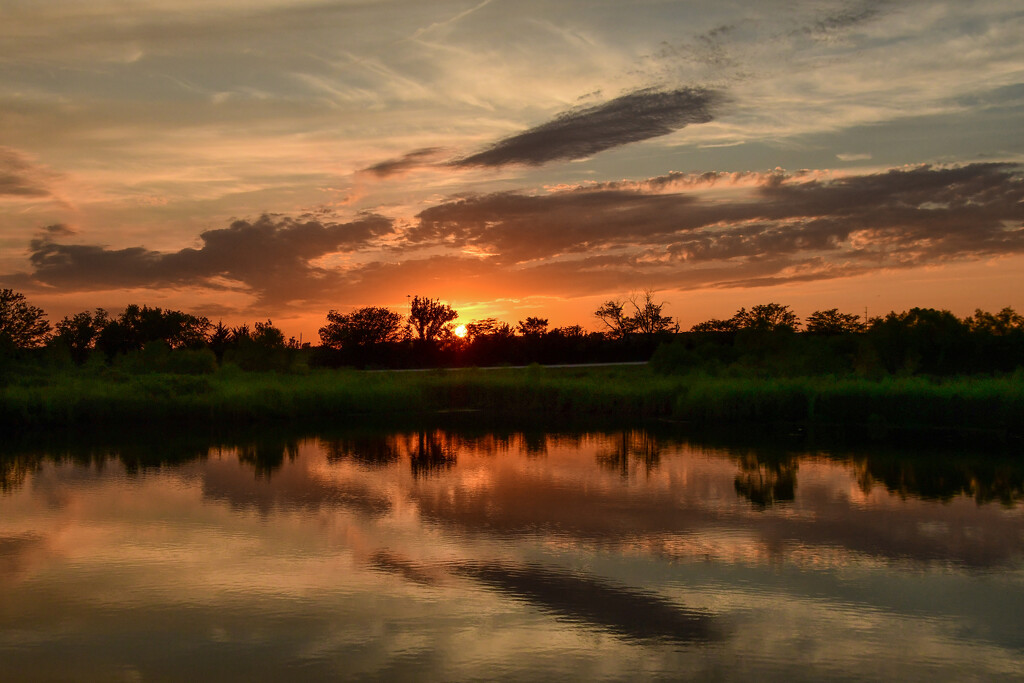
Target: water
x=442, y=555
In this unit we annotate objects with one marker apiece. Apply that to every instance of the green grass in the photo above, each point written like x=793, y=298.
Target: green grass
x=231, y=396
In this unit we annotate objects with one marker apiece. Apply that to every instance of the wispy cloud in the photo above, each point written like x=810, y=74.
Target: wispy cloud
x=578, y=134
x=20, y=178
x=403, y=164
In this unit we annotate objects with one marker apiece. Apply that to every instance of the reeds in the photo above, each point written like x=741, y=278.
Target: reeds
x=233, y=396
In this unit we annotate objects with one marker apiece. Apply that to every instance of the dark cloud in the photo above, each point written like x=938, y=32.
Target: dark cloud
x=517, y=228
x=407, y=162
x=578, y=134
x=58, y=230
x=664, y=232
x=19, y=178
x=270, y=256
x=790, y=226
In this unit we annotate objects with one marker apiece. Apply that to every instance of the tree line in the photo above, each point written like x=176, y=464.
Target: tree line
x=764, y=338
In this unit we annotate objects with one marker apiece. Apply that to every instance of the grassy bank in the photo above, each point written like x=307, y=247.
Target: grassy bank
x=231, y=396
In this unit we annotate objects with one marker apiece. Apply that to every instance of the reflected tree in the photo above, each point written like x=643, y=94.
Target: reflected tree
x=534, y=444
x=765, y=482
x=267, y=457
x=15, y=468
x=984, y=478
x=368, y=450
x=633, y=446
x=430, y=453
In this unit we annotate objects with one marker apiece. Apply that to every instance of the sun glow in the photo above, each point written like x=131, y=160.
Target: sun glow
x=460, y=331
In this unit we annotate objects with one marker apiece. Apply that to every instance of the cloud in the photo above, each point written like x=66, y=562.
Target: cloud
x=708, y=230
x=19, y=178
x=406, y=162
x=845, y=17
x=270, y=256
x=57, y=230
x=787, y=227
x=578, y=134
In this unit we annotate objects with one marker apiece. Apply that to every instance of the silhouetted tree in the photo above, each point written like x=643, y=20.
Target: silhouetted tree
x=79, y=332
x=1002, y=323
x=570, y=332
x=647, y=317
x=613, y=314
x=21, y=325
x=138, y=325
x=834, y=322
x=241, y=332
x=644, y=318
x=715, y=325
x=261, y=349
x=267, y=335
x=219, y=339
x=532, y=327
x=766, y=318
x=920, y=340
x=362, y=327
x=484, y=328
x=430, y=318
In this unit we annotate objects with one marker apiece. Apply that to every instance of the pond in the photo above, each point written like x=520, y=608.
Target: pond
x=447, y=554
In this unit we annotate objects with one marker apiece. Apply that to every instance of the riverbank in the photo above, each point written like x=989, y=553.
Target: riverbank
x=229, y=396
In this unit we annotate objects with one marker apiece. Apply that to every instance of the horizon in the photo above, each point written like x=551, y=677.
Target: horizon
x=289, y=158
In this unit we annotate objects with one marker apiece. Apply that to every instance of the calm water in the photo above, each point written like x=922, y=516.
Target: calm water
x=440, y=555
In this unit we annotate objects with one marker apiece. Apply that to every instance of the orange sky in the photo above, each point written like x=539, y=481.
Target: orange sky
x=288, y=158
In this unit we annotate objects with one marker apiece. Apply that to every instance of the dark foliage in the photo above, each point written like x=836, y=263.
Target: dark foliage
x=22, y=325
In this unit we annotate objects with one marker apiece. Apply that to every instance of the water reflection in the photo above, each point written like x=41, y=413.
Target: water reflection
x=445, y=553
x=767, y=479
x=629, y=448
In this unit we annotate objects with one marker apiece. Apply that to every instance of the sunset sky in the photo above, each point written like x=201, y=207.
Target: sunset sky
x=280, y=158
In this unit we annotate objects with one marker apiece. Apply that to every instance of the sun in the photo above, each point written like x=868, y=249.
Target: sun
x=460, y=331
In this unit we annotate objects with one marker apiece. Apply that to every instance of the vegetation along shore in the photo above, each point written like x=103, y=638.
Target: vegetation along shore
x=922, y=368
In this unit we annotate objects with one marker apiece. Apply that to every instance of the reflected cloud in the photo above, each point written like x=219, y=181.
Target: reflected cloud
x=572, y=596
x=590, y=601
x=19, y=553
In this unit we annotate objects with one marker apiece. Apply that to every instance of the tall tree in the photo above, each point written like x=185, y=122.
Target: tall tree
x=613, y=314
x=267, y=335
x=833, y=322
x=766, y=317
x=362, y=327
x=21, y=324
x=430, y=318
x=139, y=325
x=80, y=331
x=532, y=327
x=1002, y=323
x=488, y=327
x=647, y=317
